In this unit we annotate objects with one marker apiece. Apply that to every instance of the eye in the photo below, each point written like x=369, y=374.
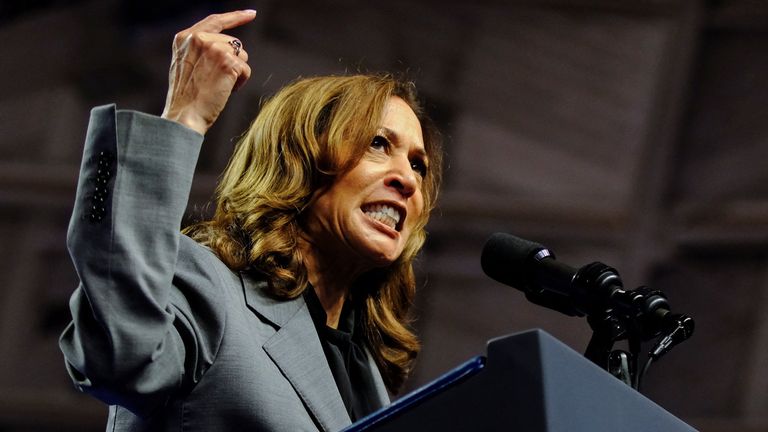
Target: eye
x=380, y=143
x=419, y=166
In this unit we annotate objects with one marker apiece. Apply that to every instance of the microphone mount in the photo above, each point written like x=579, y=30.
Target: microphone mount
x=616, y=314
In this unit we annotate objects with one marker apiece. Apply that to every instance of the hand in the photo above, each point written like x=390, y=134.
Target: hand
x=205, y=69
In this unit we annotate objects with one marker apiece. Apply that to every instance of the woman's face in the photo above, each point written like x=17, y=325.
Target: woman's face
x=369, y=213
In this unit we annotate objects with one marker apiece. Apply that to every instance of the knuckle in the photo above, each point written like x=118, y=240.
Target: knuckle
x=223, y=56
x=224, y=60
x=196, y=37
x=214, y=18
x=180, y=37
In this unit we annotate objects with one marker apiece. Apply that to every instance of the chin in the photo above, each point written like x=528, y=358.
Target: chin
x=382, y=261
x=381, y=258
x=379, y=250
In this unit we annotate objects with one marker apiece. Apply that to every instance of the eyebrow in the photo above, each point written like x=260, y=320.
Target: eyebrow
x=393, y=136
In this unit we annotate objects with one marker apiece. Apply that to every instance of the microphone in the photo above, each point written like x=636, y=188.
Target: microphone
x=533, y=269
x=592, y=290
x=520, y=264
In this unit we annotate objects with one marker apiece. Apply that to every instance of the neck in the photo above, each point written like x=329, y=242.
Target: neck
x=331, y=276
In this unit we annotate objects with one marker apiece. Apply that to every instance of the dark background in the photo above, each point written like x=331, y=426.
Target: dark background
x=633, y=133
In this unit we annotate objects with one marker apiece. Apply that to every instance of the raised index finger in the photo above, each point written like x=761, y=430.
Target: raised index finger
x=217, y=22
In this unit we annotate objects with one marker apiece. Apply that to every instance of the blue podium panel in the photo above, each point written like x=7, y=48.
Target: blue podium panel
x=530, y=382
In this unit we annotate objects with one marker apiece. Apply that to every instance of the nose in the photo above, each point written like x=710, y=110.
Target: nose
x=401, y=177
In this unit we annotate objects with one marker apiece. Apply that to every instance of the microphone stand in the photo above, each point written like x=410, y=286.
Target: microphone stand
x=616, y=314
x=606, y=330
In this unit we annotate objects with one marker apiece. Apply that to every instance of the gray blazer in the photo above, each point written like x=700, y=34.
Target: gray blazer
x=161, y=329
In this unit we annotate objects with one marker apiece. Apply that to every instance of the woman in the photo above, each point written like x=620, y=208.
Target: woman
x=288, y=309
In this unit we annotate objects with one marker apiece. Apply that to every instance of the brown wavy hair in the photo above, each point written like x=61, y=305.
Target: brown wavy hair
x=305, y=136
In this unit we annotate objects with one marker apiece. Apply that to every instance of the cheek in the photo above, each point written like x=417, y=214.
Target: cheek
x=416, y=210
x=320, y=215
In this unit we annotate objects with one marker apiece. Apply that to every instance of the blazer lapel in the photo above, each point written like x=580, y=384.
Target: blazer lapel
x=295, y=348
x=381, y=389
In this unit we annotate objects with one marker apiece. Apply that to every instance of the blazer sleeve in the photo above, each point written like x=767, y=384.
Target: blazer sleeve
x=134, y=338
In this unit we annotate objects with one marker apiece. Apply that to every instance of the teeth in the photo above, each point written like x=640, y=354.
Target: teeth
x=384, y=214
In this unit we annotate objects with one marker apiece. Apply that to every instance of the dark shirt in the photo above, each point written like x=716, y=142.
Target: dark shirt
x=345, y=352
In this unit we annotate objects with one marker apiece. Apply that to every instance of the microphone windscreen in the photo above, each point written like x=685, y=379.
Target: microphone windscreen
x=506, y=258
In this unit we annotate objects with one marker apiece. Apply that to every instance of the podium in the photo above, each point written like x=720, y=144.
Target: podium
x=529, y=382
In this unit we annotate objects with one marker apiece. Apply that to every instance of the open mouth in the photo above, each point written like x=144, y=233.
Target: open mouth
x=388, y=215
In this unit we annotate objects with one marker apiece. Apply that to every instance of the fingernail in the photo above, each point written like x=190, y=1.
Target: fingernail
x=250, y=11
